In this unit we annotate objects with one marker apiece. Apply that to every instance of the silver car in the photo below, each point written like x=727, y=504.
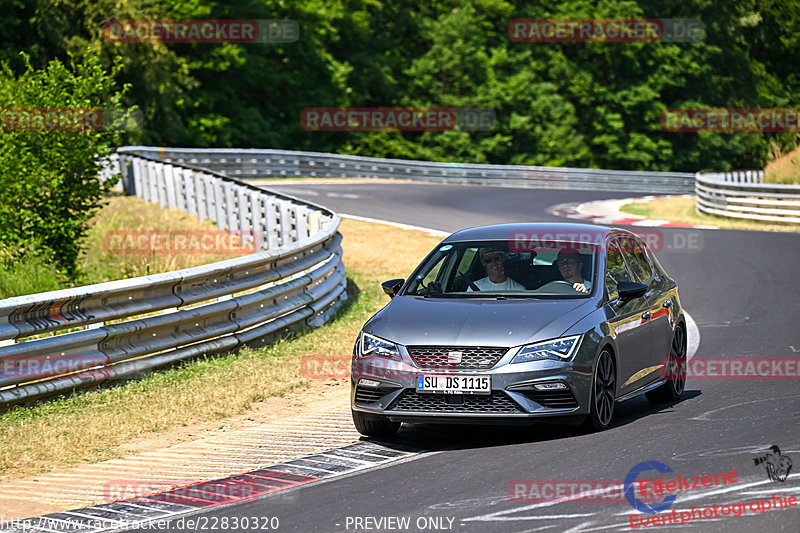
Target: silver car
x=521, y=322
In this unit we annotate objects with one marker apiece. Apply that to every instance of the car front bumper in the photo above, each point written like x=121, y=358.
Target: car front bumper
x=513, y=395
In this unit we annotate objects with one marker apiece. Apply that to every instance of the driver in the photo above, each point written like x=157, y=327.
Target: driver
x=492, y=259
x=570, y=267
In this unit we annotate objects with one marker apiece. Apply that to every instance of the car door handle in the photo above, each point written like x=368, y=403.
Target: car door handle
x=647, y=315
x=667, y=304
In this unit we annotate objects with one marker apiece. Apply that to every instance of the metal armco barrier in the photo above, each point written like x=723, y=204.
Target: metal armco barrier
x=131, y=326
x=256, y=164
x=743, y=195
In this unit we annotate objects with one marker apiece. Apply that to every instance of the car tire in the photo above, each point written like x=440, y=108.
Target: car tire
x=374, y=426
x=603, y=393
x=672, y=390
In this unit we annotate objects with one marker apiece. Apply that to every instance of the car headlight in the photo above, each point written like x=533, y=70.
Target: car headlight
x=558, y=349
x=372, y=345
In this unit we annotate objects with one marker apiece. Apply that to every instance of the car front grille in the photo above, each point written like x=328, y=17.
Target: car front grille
x=371, y=394
x=471, y=357
x=555, y=399
x=494, y=403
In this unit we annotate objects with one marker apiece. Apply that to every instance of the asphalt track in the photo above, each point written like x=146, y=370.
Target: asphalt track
x=740, y=287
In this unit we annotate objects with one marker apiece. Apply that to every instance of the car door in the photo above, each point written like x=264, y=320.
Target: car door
x=630, y=325
x=658, y=300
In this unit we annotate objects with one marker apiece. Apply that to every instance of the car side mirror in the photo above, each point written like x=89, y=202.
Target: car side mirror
x=628, y=290
x=392, y=286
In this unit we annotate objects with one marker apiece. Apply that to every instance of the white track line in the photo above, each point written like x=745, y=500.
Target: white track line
x=429, y=231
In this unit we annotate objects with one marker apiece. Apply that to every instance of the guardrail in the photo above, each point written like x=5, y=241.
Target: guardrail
x=744, y=196
x=259, y=164
x=122, y=328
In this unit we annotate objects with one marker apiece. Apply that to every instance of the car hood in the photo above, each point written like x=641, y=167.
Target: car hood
x=411, y=320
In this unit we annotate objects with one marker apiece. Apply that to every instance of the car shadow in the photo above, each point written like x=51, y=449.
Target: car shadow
x=437, y=437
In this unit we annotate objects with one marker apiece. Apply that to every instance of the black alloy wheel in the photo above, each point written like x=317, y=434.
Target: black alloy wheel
x=603, y=395
x=675, y=371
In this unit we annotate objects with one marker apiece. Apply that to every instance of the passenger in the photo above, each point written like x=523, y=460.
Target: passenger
x=570, y=267
x=492, y=259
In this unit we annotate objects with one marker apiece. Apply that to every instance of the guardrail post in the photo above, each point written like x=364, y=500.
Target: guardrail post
x=126, y=170
x=189, y=192
x=152, y=176
x=230, y=207
x=182, y=175
x=285, y=223
x=302, y=222
x=161, y=181
x=257, y=217
x=170, y=184
x=219, y=203
x=242, y=201
x=137, y=168
x=271, y=231
x=207, y=207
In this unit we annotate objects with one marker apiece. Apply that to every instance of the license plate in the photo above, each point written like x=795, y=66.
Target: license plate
x=450, y=384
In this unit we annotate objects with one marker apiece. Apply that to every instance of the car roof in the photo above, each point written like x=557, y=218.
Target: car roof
x=530, y=230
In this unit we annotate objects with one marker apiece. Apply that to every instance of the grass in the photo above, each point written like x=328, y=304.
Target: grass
x=784, y=168
x=91, y=426
x=683, y=210
x=32, y=274
x=101, y=260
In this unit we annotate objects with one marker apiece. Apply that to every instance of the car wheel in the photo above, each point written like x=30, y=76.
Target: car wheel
x=603, y=394
x=374, y=426
x=672, y=390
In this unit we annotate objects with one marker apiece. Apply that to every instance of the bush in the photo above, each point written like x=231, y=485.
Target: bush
x=48, y=178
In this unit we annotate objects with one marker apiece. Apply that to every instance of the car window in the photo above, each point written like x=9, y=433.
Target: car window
x=432, y=275
x=475, y=269
x=466, y=260
x=616, y=269
x=637, y=260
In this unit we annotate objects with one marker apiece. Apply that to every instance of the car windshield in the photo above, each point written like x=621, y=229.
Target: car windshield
x=479, y=269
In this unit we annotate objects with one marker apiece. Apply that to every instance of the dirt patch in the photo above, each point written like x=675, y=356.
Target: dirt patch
x=318, y=396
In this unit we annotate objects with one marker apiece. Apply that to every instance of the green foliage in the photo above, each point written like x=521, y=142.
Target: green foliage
x=574, y=104
x=27, y=272
x=48, y=179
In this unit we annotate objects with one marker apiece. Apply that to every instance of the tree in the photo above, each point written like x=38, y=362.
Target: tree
x=58, y=125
